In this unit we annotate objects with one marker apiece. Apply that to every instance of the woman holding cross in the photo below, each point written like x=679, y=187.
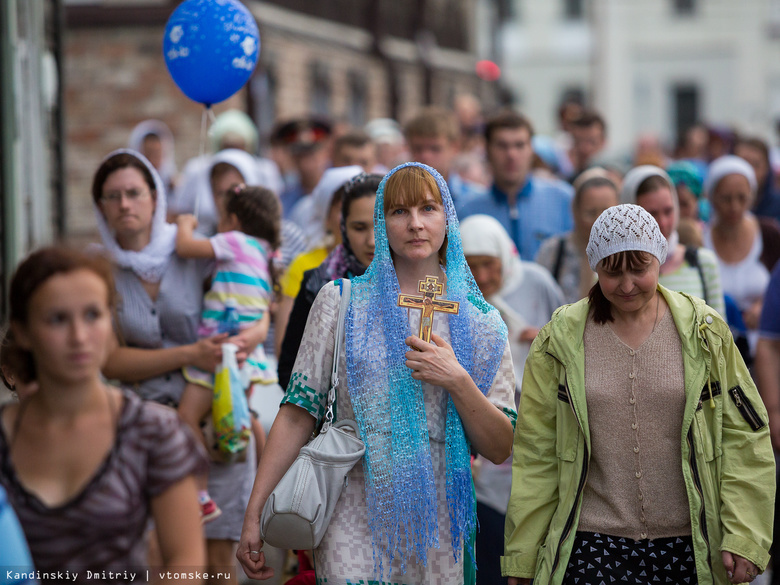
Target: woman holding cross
x=407, y=513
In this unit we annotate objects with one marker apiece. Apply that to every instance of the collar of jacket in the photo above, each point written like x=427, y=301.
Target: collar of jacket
x=692, y=317
x=698, y=325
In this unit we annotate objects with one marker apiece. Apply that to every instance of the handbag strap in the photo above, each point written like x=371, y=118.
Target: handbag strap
x=346, y=289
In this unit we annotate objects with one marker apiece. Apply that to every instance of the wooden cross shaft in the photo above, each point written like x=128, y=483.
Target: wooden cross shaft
x=428, y=303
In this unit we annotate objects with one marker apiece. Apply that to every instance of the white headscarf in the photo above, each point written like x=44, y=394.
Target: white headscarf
x=483, y=235
x=321, y=198
x=199, y=189
x=150, y=263
x=636, y=177
x=167, y=168
x=729, y=165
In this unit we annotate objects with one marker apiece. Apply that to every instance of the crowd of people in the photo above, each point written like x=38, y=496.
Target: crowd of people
x=612, y=316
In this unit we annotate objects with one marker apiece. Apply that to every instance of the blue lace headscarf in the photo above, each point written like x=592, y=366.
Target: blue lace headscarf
x=388, y=402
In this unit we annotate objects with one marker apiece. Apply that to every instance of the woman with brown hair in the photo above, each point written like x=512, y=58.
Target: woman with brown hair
x=642, y=450
x=85, y=464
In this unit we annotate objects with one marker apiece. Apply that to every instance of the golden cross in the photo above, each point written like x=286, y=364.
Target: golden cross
x=430, y=287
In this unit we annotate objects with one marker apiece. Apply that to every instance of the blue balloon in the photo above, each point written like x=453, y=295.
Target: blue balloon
x=211, y=48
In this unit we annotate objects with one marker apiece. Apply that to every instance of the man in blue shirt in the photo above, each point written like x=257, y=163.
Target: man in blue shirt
x=530, y=208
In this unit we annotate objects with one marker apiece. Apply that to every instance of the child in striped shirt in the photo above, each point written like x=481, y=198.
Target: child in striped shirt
x=248, y=235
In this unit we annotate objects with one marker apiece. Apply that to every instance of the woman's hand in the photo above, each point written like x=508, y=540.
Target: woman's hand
x=207, y=352
x=528, y=334
x=739, y=569
x=434, y=363
x=488, y=429
x=248, y=339
x=752, y=315
x=250, y=553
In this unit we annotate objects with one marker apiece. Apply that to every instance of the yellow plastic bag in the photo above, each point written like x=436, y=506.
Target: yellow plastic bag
x=229, y=409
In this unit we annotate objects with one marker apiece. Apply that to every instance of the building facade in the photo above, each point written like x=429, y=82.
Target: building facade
x=349, y=60
x=31, y=189
x=647, y=65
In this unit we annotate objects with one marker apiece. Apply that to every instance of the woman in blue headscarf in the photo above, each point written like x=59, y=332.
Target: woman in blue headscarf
x=407, y=513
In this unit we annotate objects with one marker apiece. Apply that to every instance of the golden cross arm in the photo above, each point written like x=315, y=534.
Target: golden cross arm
x=428, y=303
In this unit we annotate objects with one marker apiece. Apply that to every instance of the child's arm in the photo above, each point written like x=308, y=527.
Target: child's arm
x=248, y=339
x=186, y=245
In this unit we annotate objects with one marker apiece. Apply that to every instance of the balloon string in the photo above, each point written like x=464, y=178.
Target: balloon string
x=202, y=149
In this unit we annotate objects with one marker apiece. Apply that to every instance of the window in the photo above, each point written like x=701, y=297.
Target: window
x=574, y=94
x=319, y=76
x=684, y=7
x=686, y=107
x=262, y=91
x=573, y=9
x=506, y=10
x=358, y=98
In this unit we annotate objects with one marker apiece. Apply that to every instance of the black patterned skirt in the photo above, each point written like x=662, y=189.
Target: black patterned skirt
x=598, y=559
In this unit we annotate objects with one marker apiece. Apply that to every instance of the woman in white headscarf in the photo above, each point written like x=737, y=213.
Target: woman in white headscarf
x=525, y=295
x=564, y=255
x=686, y=269
x=324, y=234
x=154, y=140
x=231, y=130
x=747, y=247
x=158, y=316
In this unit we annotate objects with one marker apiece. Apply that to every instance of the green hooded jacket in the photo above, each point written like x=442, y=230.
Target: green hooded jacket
x=728, y=464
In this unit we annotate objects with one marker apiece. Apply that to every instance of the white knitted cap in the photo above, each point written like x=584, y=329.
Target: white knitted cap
x=622, y=228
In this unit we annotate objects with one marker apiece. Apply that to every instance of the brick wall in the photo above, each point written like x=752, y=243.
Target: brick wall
x=116, y=77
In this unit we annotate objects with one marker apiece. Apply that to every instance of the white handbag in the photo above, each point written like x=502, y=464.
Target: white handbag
x=298, y=511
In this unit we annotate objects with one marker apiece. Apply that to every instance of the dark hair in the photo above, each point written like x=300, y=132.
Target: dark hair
x=15, y=361
x=651, y=184
x=602, y=308
x=757, y=144
x=507, y=119
x=221, y=168
x=258, y=211
x=363, y=185
x=592, y=183
x=590, y=118
x=119, y=161
x=33, y=272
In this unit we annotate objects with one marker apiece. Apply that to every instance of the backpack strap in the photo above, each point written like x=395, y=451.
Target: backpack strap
x=556, y=271
x=692, y=258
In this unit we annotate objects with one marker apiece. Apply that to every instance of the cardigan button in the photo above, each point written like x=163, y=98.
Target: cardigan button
x=636, y=449
x=643, y=535
x=631, y=375
x=632, y=400
x=638, y=474
x=633, y=426
x=708, y=319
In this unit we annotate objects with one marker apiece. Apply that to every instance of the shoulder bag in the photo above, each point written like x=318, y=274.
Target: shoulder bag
x=298, y=511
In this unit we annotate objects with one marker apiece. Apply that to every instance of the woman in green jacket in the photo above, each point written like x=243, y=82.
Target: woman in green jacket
x=641, y=451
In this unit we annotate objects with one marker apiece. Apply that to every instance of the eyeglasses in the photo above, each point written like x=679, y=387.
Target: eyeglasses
x=130, y=195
